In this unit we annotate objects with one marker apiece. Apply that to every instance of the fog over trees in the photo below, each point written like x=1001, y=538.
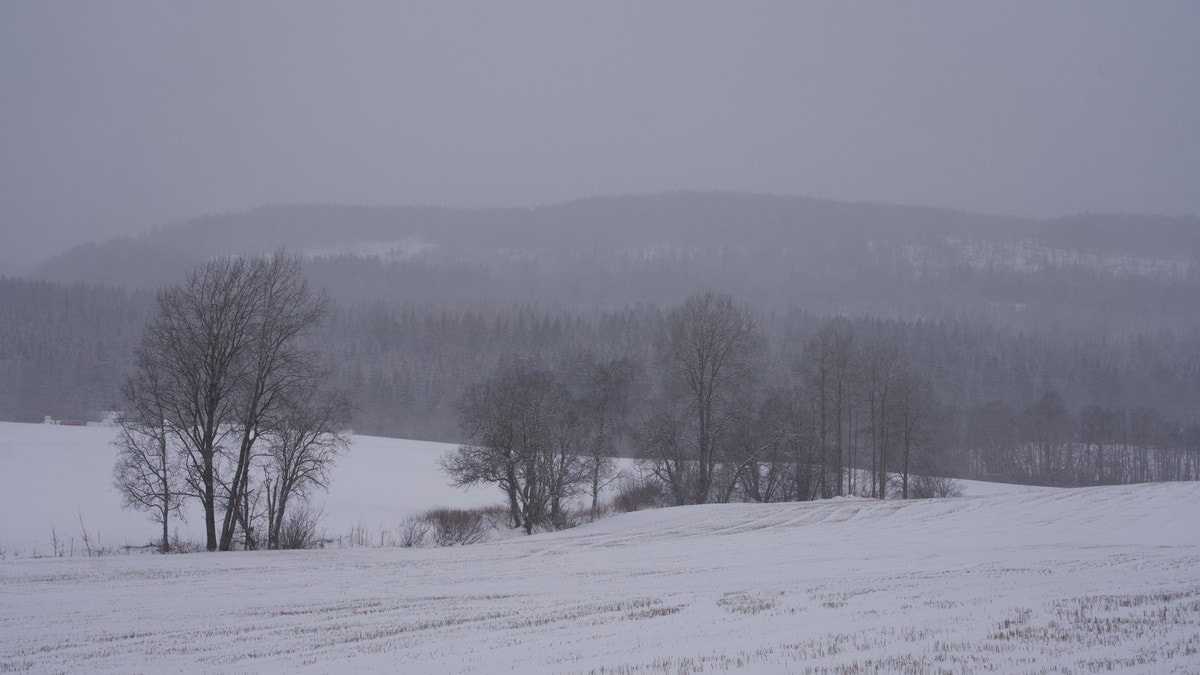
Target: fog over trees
x=872, y=341
x=707, y=352
x=608, y=337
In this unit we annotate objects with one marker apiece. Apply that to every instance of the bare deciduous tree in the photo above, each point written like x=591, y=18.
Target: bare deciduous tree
x=146, y=473
x=1098, y=428
x=1047, y=427
x=992, y=433
x=756, y=449
x=194, y=342
x=881, y=368
x=487, y=415
x=221, y=351
x=912, y=416
x=302, y=445
x=606, y=399
x=275, y=363
x=660, y=438
x=709, y=351
x=528, y=438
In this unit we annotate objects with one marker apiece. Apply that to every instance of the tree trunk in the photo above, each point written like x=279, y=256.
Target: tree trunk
x=595, y=488
x=166, y=486
x=236, y=487
x=166, y=539
x=210, y=506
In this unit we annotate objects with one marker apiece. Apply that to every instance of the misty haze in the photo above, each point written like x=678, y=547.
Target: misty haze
x=599, y=338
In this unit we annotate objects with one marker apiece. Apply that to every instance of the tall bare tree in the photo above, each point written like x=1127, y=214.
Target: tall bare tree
x=146, y=473
x=882, y=365
x=1098, y=428
x=195, y=342
x=275, y=363
x=303, y=442
x=220, y=350
x=992, y=432
x=606, y=398
x=817, y=369
x=826, y=368
x=844, y=387
x=1047, y=426
x=661, y=443
x=912, y=404
x=756, y=450
x=487, y=414
x=528, y=437
x=709, y=350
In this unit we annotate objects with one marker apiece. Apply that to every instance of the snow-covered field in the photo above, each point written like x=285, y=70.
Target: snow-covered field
x=50, y=475
x=1032, y=580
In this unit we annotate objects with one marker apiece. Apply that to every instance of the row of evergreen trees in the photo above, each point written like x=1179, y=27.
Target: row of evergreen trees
x=64, y=350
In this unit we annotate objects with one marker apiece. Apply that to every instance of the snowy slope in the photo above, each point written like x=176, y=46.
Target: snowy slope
x=1029, y=581
x=50, y=475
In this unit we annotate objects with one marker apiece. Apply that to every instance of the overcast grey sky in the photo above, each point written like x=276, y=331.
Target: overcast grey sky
x=118, y=116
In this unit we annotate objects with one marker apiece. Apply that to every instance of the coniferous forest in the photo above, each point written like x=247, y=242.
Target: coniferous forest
x=1062, y=352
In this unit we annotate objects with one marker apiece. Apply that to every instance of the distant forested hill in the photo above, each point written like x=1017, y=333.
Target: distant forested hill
x=1104, y=309
x=1084, y=275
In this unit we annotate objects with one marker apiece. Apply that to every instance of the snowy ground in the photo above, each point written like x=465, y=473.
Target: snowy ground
x=50, y=475
x=1034, y=580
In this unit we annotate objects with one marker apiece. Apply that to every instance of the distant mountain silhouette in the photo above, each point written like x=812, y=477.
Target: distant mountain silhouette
x=777, y=252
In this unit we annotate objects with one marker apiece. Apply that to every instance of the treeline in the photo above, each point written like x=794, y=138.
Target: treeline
x=1039, y=294
x=715, y=414
x=1045, y=443
x=65, y=349
x=864, y=401
x=410, y=364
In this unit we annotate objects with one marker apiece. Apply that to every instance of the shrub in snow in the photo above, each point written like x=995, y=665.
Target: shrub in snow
x=457, y=526
x=412, y=532
x=930, y=487
x=299, y=528
x=181, y=545
x=635, y=495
